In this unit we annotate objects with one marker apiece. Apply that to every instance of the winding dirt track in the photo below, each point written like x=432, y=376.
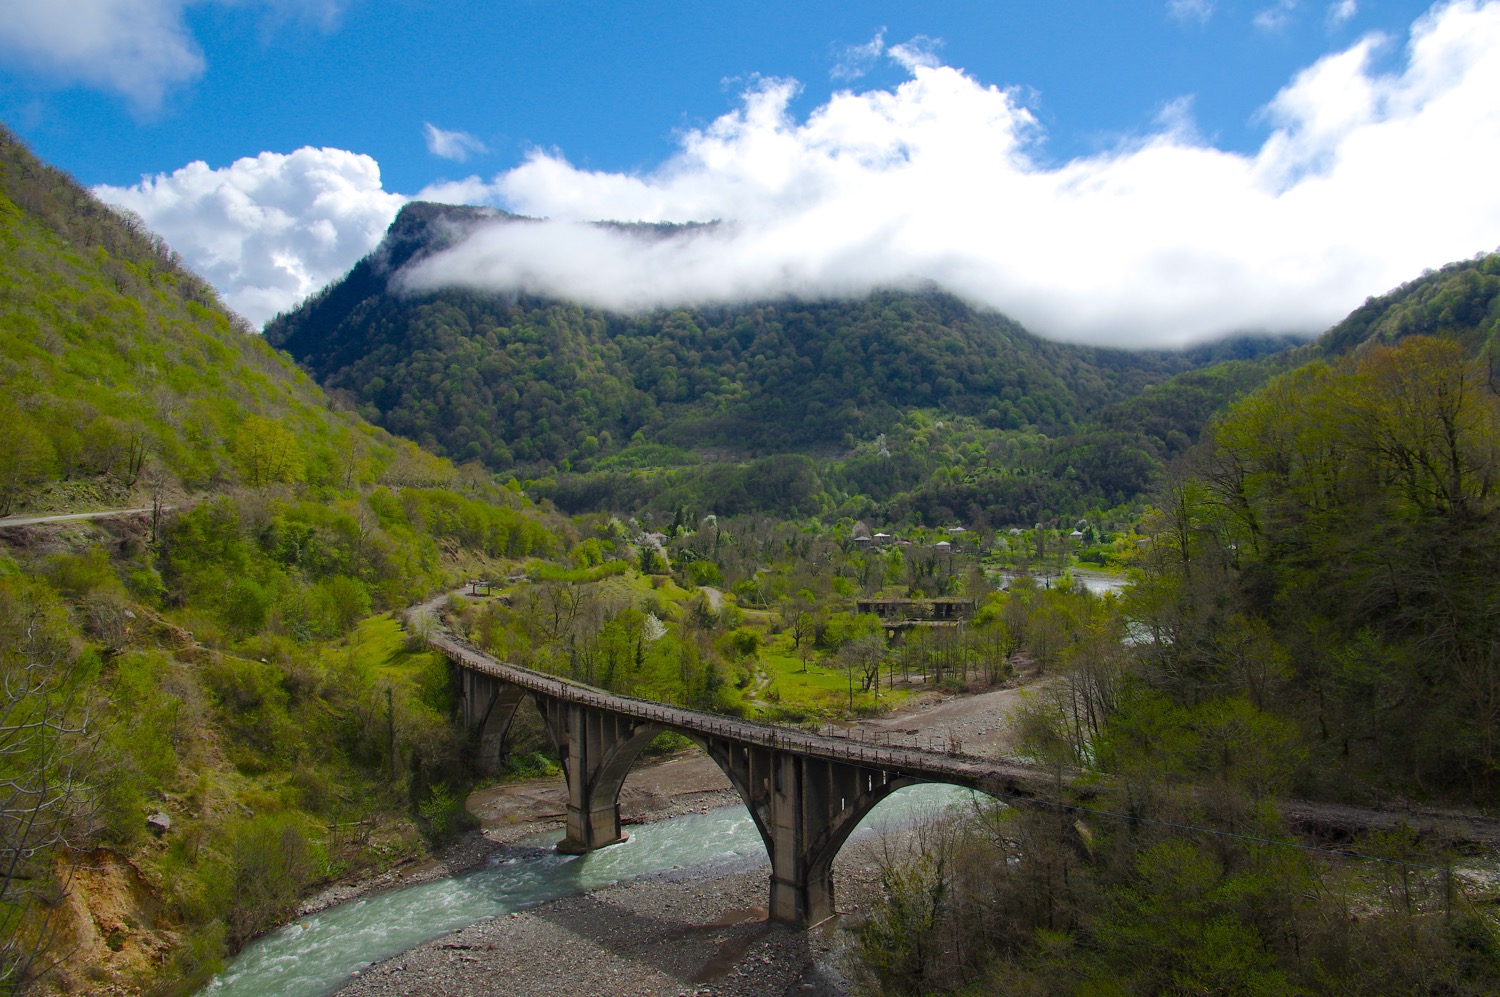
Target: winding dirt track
x=72, y=516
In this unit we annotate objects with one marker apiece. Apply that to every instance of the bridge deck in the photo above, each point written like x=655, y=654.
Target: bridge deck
x=910, y=761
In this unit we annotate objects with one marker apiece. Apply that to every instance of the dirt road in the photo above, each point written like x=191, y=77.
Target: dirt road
x=72, y=516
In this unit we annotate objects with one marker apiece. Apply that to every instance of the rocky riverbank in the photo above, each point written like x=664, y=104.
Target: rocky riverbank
x=690, y=933
x=655, y=937
x=679, y=933
x=676, y=933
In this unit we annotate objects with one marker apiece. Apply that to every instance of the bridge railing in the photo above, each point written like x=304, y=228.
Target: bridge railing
x=941, y=760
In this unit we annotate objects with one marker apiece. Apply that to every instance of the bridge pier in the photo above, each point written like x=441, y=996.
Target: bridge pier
x=805, y=808
x=487, y=705
x=597, y=750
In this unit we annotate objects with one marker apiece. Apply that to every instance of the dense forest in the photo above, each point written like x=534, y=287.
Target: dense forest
x=1310, y=615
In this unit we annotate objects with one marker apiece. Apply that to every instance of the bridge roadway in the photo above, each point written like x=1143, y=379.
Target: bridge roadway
x=805, y=791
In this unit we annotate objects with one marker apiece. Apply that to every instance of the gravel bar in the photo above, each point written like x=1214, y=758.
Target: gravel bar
x=673, y=934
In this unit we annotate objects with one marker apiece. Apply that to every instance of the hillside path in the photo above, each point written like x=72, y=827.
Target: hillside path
x=70, y=516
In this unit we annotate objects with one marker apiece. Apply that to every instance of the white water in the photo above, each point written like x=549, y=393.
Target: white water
x=316, y=955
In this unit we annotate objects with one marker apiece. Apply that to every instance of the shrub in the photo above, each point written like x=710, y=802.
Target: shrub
x=268, y=862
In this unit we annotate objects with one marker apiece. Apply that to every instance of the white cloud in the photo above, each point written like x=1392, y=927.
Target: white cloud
x=1341, y=12
x=139, y=48
x=470, y=190
x=1365, y=180
x=857, y=60
x=270, y=230
x=1175, y=119
x=454, y=145
x=1191, y=10
x=136, y=47
x=918, y=53
x=1277, y=16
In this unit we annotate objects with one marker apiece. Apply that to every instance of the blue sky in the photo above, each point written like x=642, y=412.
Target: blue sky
x=754, y=112
x=610, y=84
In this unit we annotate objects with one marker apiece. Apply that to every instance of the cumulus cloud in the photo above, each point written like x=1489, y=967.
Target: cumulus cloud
x=454, y=145
x=1365, y=180
x=138, y=48
x=269, y=230
x=919, y=53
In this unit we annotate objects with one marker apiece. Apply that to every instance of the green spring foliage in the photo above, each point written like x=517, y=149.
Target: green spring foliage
x=239, y=674
x=120, y=370
x=1311, y=615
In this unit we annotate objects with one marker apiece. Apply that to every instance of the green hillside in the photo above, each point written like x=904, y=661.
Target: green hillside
x=121, y=371
x=228, y=666
x=1311, y=616
x=1460, y=300
x=1311, y=612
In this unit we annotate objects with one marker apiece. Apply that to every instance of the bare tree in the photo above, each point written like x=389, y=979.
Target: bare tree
x=863, y=656
x=46, y=745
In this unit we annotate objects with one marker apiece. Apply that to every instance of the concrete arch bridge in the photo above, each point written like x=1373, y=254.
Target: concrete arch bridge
x=806, y=792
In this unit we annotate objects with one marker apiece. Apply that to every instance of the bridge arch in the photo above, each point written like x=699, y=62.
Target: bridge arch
x=805, y=809
x=823, y=850
x=496, y=725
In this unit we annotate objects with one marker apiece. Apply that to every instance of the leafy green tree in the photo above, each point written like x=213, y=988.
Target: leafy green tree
x=267, y=452
x=269, y=861
x=26, y=456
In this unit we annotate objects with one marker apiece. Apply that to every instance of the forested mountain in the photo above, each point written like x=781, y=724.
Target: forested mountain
x=1459, y=301
x=543, y=384
x=1311, y=611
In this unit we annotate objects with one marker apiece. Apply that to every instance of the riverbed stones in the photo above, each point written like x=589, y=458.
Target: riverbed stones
x=658, y=937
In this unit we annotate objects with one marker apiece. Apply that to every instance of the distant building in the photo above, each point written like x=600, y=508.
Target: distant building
x=903, y=614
